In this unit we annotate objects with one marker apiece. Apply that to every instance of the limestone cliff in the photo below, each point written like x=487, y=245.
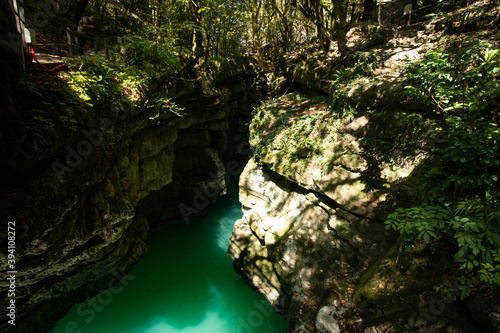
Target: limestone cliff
x=83, y=203
x=310, y=230
x=315, y=196
x=312, y=238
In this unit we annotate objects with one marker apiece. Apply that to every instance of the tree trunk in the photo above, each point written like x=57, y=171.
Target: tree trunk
x=256, y=33
x=324, y=38
x=286, y=28
x=368, y=6
x=341, y=28
x=76, y=10
x=197, y=43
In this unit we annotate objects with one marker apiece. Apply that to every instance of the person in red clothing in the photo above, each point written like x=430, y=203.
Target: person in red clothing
x=84, y=31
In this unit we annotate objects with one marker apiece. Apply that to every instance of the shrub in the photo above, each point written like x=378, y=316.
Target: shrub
x=150, y=49
x=461, y=191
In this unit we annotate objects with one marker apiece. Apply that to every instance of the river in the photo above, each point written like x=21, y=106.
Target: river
x=184, y=283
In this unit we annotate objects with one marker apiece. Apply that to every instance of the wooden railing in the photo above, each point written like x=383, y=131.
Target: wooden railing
x=66, y=42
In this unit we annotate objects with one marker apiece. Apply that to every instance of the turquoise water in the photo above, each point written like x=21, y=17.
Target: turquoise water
x=185, y=283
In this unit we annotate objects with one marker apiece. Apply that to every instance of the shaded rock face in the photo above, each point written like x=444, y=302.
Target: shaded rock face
x=312, y=238
x=296, y=248
x=80, y=231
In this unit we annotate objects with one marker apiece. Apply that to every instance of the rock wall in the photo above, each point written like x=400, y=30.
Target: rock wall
x=81, y=225
x=312, y=237
x=296, y=247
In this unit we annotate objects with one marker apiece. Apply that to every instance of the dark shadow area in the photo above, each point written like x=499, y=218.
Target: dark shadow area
x=186, y=280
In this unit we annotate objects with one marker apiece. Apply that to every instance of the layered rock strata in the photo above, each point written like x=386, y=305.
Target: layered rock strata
x=314, y=198
x=83, y=222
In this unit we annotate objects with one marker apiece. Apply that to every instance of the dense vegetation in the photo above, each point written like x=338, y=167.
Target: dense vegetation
x=197, y=29
x=457, y=79
x=460, y=82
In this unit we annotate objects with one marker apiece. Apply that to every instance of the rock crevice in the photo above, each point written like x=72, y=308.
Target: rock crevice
x=77, y=231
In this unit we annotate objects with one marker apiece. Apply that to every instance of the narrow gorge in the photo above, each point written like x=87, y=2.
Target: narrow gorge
x=84, y=204
x=362, y=177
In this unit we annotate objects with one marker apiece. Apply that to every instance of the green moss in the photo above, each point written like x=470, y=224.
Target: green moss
x=284, y=128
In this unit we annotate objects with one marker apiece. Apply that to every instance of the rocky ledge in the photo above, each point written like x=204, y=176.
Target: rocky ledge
x=312, y=238
x=84, y=203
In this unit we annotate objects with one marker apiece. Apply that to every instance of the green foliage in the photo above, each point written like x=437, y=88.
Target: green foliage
x=462, y=81
x=424, y=222
x=97, y=80
x=52, y=110
x=41, y=124
x=461, y=191
x=163, y=104
x=150, y=49
x=491, y=273
x=285, y=126
x=91, y=79
x=362, y=65
x=470, y=161
x=461, y=290
x=464, y=86
x=474, y=224
x=228, y=19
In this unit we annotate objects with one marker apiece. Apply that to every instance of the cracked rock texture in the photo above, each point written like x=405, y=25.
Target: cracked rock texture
x=77, y=232
x=315, y=196
x=294, y=248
